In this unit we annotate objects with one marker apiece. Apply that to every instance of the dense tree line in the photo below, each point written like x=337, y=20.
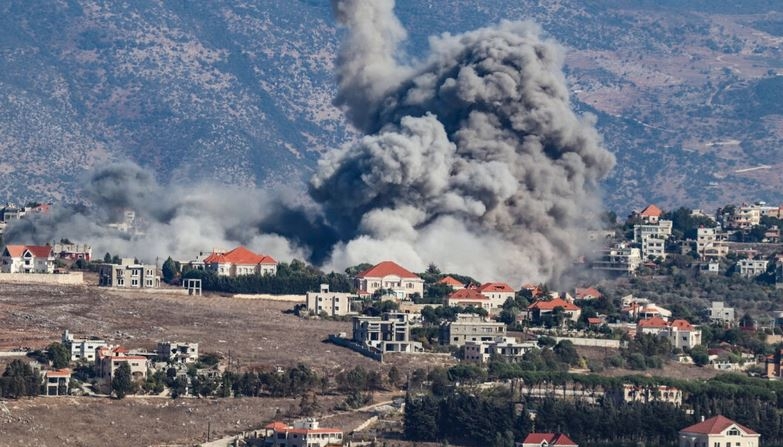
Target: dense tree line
x=295, y=278
x=19, y=380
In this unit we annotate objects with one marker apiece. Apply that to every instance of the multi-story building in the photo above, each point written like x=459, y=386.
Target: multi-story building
x=304, y=433
x=650, y=214
x=109, y=358
x=72, y=252
x=547, y=440
x=620, y=258
x=332, y=303
x=57, y=382
x=470, y=327
x=391, y=332
x=238, y=262
x=177, y=352
x=392, y=277
x=82, y=349
x=681, y=334
x=507, y=348
x=749, y=268
x=711, y=244
x=652, y=238
x=745, y=217
x=470, y=298
x=630, y=393
x=128, y=274
x=497, y=292
x=718, y=431
x=27, y=259
x=719, y=313
x=537, y=310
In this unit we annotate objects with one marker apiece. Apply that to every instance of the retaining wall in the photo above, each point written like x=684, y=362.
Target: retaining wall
x=71, y=279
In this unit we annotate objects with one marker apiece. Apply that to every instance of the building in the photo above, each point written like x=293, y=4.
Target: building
x=538, y=310
x=27, y=259
x=652, y=238
x=497, y=292
x=711, y=244
x=470, y=298
x=304, y=433
x=750, y=268
x=392, y=277
x=177, y=352
x=745, y=217
x=619, y=258
x=333, y=304
x=129, y=275
x=774, y=364
x=12, y=212
x=547, y=440
x=391, y=332
x=470, y=327
x=630, y=393
x=57, y=382
x=719, y=313
x=72, y=252
x=718, y=431
x=650, y=214
x=450, y=281
x=109, y=358
x=82, y=349
x=681, y=334
x=240, y=261
x=587, y=293
x=507, y=348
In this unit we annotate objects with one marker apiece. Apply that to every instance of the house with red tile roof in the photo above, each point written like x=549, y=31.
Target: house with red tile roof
x=389, y=275
x=109, y=358
x=469, y=297
x=240, y=261
x=27, y=259
x=587, y=293
x=497, y=292
x=680, y=333
x=547, y=440
x=451, y=281
x=718, y=430
x=303, y=433
x=537, y=310
x=650, y=214
x=56, y=382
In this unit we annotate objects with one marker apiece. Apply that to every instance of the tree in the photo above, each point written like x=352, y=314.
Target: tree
x=169, y=270
x=58, y=355
x=122, y=383
x=19, y=380
x=394, y=376
x=107, y=258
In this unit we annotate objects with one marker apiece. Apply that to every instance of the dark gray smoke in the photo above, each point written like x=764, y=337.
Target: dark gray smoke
x=472, y=159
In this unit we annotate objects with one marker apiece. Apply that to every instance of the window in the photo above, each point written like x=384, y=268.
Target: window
x=733, y=432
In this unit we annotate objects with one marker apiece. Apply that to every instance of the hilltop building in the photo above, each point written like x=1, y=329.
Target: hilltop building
x=128, y=274
x=718, y=431
x=304, y=433
x=238, y=262
x=391, y=332
x=27, y=259
x=390, y=276
x=332, y=304
x=470, y=327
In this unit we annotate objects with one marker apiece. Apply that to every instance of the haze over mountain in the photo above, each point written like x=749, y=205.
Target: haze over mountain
x=687, y=93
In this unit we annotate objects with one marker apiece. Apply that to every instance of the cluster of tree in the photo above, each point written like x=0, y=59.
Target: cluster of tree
x=436, y=315
x=293, y=278
x=435, y=292
x=19, y=380
x=472, y=417
x=644, y=351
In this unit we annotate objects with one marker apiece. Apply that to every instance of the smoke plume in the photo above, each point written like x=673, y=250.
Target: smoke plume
x=471, y=158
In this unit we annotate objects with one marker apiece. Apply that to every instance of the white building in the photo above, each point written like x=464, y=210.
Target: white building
x=718, y=431
x=497, y=292
x=82, y=349
x=27, y=259
x=749, y=268
x=711, y=244
x=719, y=313
x=471, y=327
x=178, y=352
x=507, y=348
x=652, y=238
x=619, y=258
x=391, y=276
x=128, y=274
x=304, y=433
x=240, y=261
x=332, y=303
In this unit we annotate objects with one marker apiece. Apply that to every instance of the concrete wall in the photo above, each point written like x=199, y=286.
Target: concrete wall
x=596, y=342
x=73, y=278
x=363, y=350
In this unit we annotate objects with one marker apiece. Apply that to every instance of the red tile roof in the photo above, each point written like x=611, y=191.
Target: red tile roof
x=239, y=255
x=651, y=211
x=15, y=250
x=64, y=372
x=448, y=280
x=587, y=292
x=654, y=322
x=39, y=251
x=276, y=426
x=496, y=287
x=682, y=325
x=307, y=431
x=467, y=294
x=386, y=268
x=552, y=304
x=715, y=425
x=593, y=320
x=554, y=439
x=128, y=357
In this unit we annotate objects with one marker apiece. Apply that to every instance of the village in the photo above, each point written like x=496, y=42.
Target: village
x=479, y=334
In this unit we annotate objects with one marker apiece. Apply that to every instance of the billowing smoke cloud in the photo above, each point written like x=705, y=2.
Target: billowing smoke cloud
x=471, y=159
x=172, y=221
